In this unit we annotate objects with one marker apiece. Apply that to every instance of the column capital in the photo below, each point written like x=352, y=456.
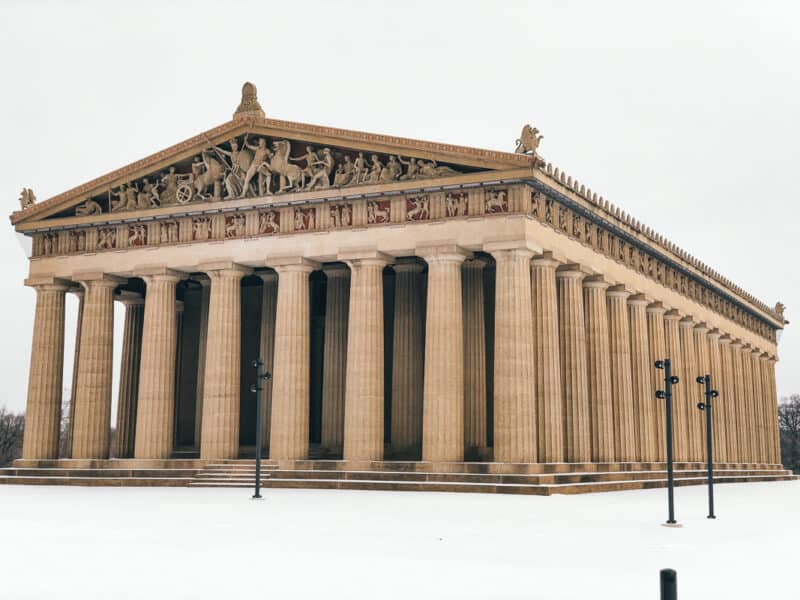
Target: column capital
x=292, y=263
x=672, y=315
x=150, y=274
x=129, y=298
x=442, y=252
x=53, y=284
x=336, y=270
x=99, y=279
x=714, y=334
x=701, y=328
x=656, y=308
x=725, y=339
x=755, y=352
x=224, y=268
x=736, y=344
x=511, y=245
x=639, y=300
x=619, y=291
x=354, y=257
x=570, y=271
x=596, y=281
x=408, y=265
x=687, y=323
x=765, y=357
x=267, y=276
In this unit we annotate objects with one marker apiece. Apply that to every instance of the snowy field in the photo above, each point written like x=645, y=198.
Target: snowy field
x=87, y=543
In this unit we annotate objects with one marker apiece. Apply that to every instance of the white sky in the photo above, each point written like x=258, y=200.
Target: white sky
x=685, y=114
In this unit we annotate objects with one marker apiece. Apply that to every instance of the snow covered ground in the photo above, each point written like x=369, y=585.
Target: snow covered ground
x=205, y=543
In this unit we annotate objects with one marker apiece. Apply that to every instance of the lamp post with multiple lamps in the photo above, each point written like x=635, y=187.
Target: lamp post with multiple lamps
x=705, y=381
x=666, y=394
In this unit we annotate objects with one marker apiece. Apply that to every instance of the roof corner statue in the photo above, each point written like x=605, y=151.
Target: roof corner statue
x=249, y=106
x=528, y=142
x=27, y=198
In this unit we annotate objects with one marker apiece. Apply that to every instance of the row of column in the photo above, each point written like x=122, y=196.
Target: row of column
x=572, y=378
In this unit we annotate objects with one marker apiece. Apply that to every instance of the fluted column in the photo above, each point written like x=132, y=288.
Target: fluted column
x=775, y=438
x=749, y=420
x=408, y=359
x=443, y=387
x=656, y=338
x=220, y=427
x=759, y=420
x=598, y=349
x=205, y=298
x=43, y=409
x=727, y=395
x=335, y=356
x=363, y=402
x=291, y=383
x=177, y=383
x=692, y=419
x=672, y=335
x=266, y=345
x=702, y=367
x=546, y=359
x=475, y=422
x=644, y=407
x=514, y=401
x=93, y=398
x=155, y=410
x=129, y=374
x=739, y=404
x=572, y=354
x=79, y=292
x=621, y=385
x=720, y=410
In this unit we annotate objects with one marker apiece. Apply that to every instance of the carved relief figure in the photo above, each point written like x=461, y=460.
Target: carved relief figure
x=321, y=175
x=49, y=243
x=269, y=222
x=417, y=208
x=170, y=182
x=496, y=201
x=234, y=226
x=341, y=215
x=290, y=176
x=259, y=164
x=455, y=204
x=137, y=235
x=77, y=240
x=27, y=198
x=412, y=170
x=90, y=207
x=201, y=229
x=168, y=232
x=377, y=211
x=304, y=219
x=239, y=164
x=107, y=238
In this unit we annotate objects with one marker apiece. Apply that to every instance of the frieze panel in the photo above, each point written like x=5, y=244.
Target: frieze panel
x=378, y=211
x=169, y=232
x=341, y=215
x=106, y=238
x=77, y=240
x=305, y=219
x=235, y=225
x=201, y=229
x=456, y=204
x=496, y=201
x=269, y=222
x=418, y=208
x=137, y=235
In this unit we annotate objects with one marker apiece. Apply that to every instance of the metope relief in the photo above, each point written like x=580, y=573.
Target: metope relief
x=378, y=211
x=269, y=221
x=77, y=240
x=456, y=204
x=234, y=226
x=168, y=232
x=418, y=208
x=106, y=238
x=496, y=201
x=304, y=219
x=341, y=215
x=201, y=229
x=137, y=235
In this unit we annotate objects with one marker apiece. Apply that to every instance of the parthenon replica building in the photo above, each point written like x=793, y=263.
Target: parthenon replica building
x=415, y=301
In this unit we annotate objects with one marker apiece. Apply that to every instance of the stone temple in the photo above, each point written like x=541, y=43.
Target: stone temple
x=433, y=315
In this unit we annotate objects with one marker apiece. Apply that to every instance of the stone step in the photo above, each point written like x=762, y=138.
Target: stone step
x=98, y=481
x=55, y=472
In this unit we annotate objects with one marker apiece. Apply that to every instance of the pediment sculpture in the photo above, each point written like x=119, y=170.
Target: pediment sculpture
x=27, y=198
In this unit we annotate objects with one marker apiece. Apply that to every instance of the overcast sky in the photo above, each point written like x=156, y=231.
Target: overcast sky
x=685, y=114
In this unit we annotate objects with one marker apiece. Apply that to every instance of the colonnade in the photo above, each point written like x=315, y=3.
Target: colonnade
x=566, y=356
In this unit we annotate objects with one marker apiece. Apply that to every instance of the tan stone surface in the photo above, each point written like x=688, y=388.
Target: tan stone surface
x=220, y=433
x=547, y=363
x=692, y=417
x=719, y=406
x=129, y=375
x=202, y=345
x=335, y=356
x=729, y=394
x=363, y=410
x=703, y=367
x=514, y=401
x=749, y=428
x=155, y=410
x=443, y=387
x=680, y=404
x=644, y=402
x=742, y=449
x=621, y=384
x=773, y=405
x=475, y=417
x=598, y=360
x=93, y=398
x=759, y=420
x=572, y=347
x=43, y=408
x=408, y=359
x=656, y=338
x=291, y=384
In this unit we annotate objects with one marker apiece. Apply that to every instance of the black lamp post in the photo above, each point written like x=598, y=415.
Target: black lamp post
x=666, y=394
x=261, y=375
x=705, y=381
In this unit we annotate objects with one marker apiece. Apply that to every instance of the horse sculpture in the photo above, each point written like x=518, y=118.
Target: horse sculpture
x=291, y=176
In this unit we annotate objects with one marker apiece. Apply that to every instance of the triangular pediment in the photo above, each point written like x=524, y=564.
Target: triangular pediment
x=255, y=157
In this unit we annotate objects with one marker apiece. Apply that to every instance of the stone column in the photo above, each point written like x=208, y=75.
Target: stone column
x=155, y=410
x=658, y=351
x=220, y=433
x=747, y=407
x=742, y=452
x=644, y=403
x=692, y=421
x=475, y=420
x=598, y=350
x=363, y=402
x=621, y=385
x=129, y=374
x=205, y=298
x=443, y=387
x=546, y=358
x=727, y=396
x=43, y=409
x=335, y=356
x=759, y=421
x=291, y=383
x=572, y=347
x=177, y=383
x=672, y=335
x=269, y=302
x=772, y=399
x=93, y=398
x=719, y=418
x=79, y=292
x=408, y=359
x=702, y=367
x=514, y=401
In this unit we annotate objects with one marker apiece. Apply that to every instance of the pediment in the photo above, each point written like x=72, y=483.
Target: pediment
x=255, y=157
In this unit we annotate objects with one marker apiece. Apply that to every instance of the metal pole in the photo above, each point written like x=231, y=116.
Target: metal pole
x=705, y=380
x=669, y=584
x=670, y=474
x=258, y=389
